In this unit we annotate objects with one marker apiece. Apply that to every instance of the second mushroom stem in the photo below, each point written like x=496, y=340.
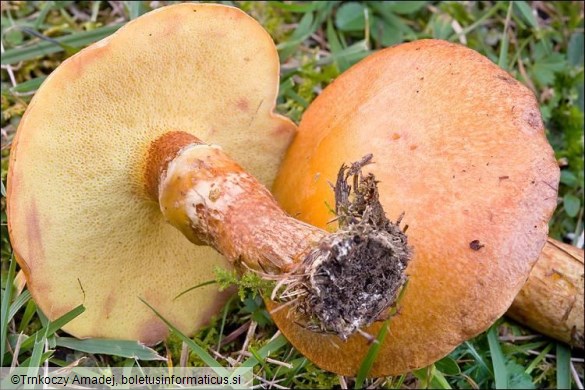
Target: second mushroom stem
x=342, y=281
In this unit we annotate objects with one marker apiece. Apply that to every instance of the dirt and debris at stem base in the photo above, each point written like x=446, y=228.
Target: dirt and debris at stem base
x=353, y=277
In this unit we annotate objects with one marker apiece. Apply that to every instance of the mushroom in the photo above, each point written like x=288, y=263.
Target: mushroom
x=459, y=147
x=134, y=132
x=82, y=222
x=551, y=301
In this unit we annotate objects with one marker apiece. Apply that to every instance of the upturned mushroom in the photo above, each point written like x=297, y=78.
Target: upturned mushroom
x=134, y=132
x=84, y=220
x=460, y=149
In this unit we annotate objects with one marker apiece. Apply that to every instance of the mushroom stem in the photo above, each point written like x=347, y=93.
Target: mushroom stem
x=213, y=201
x=551, y=301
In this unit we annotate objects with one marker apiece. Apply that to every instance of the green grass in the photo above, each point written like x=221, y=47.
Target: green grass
x=541, y=44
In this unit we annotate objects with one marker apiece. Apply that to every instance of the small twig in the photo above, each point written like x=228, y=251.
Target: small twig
x=271, y=384
x=249, y=338
x=269, y=360
x=378, y=383
x=6, y=141
x=525, y=76
x=275, y=336
x=46, y=363
x=232, y=362
x=576, y=377
x=459, y=31
x=8, y=68
x=342, y=382
x=370, y=338
x=282, y=306
x=320, y=40
x=184, y=355
x=235, y=334
x=78, y=14
x=67, y=368
x=513, y=338
x=117, y=8
x=470, y=381
x=286, y=358
x=549, y=356
x=16, y=352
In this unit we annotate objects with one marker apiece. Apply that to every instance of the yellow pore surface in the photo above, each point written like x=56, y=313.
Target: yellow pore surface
x=80, y=221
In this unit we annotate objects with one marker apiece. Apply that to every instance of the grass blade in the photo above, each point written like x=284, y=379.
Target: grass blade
x=448, y=366
x=6, y=297
x=431, y=378
x=29, y=85
x=438, y=380
x=526, y=13
x=195, y=287
x=29, y=313
x=483, y=19
x=336, y=46
x=48, y=6
x=42, y=318
x=371, y=356
x=135, y=8
x=262, y=361
x=298, y=365
x=399, y=382
x=37, y=353
x=305, y=28
x=503, y=58
x=52, y=327
x=18, y=303
x=350, y=54
x=125, y=348
x=44, y=357
x=298, y=8
x=498, y=360
x=199, y=351
x=539, y=358
x=563, y=367
x=424, y=377
x=17, y=54
x=265, y=351
x=226, y=309
x=478, y=358
x=374, y=349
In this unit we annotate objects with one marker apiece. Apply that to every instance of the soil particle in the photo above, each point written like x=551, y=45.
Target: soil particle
x=476, y=245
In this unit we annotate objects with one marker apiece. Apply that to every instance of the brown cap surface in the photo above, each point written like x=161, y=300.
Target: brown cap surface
x=81, y=222
x=459, y=146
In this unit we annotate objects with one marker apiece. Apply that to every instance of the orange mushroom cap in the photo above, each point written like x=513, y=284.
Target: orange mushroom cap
x=459, y=146
x=82, y=224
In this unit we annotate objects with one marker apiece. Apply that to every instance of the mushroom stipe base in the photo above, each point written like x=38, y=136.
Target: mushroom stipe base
x=354, y=276
x=337, y=282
